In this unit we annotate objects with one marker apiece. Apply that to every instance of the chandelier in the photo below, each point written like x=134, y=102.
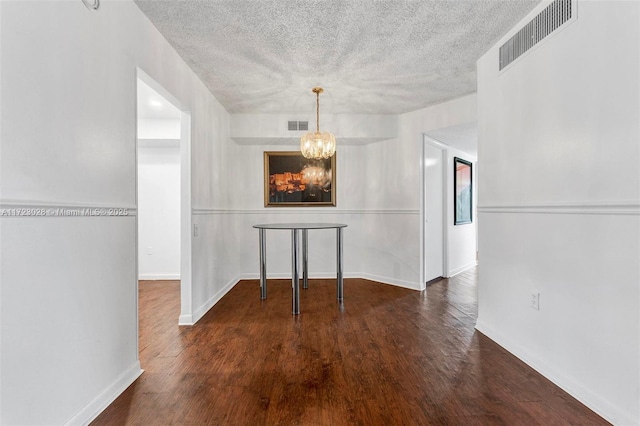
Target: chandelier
x=318, y=144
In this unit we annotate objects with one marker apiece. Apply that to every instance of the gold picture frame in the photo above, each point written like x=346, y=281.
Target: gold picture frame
x=290, y=180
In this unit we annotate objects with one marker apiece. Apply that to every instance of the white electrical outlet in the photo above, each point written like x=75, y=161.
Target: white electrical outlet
x=149, y=251
x=535, y=300
x=195, y=230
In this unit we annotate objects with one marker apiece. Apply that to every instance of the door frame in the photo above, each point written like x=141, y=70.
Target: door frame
x=186, y=306
x=428, y=140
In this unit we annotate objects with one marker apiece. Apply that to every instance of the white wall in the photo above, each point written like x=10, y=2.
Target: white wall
x=69, y=285
x=350, y=129
x=159, y=210
x=559, y=206
x=378, y=196
x=158, y=128
x=462, y=246
x=371, y=198
x=367, y=180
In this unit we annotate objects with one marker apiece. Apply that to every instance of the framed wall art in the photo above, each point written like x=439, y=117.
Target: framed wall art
x=290, y=180
x=463, y=191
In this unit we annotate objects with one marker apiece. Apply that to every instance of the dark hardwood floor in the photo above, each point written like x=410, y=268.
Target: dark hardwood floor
x=389, y=356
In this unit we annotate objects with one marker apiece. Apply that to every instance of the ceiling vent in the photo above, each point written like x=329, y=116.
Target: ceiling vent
x=298, y=125
x=550, y=19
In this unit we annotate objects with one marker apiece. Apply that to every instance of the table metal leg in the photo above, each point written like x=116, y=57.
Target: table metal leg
x=263, y=264
x=295, y=281
x=340, y=282
x=305, y=268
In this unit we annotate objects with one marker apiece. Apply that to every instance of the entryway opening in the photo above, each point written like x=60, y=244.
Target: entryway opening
x=163, y=192
x=448, y=243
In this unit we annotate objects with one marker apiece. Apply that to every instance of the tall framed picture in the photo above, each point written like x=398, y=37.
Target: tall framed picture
x=290, y=180
x=463, y=191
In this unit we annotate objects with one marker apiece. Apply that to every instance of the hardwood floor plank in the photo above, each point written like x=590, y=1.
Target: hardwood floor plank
x=387, y=356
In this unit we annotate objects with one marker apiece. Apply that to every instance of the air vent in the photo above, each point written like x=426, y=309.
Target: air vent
x=298, y=125
x=550, y=19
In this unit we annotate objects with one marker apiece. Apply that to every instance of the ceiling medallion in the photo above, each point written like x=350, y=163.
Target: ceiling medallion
x=318, y=144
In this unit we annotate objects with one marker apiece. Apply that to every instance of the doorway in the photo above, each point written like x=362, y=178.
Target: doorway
x=433, y=211
x=163, y=189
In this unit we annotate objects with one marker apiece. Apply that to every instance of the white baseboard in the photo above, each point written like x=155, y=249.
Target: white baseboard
x=459, y=269
x=388, y=280
x=287, y=276
x=154, y=277
x=332, y=275
x=610, y=412
x=102, y=401
x=204, y=308
x=185, y=320
x=199, y=313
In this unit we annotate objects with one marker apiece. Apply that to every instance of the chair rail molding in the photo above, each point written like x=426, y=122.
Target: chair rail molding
x=298, y=211
x=586, y=208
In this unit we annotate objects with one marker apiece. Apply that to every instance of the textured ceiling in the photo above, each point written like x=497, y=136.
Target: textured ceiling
x=462, y=136
x=371, y=56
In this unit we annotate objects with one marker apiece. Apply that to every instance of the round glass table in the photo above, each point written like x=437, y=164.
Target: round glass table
x=296, y=229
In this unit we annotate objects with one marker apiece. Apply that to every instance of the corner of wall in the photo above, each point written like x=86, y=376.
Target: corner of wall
x=107, y=396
